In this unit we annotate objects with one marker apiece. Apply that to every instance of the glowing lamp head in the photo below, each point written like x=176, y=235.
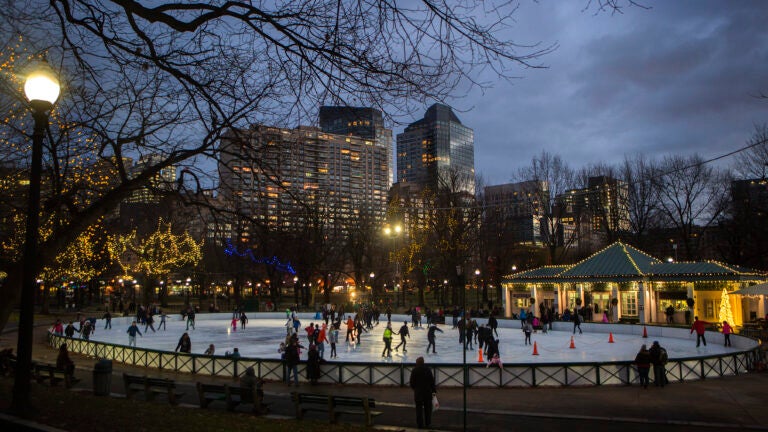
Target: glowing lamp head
x=42, y=85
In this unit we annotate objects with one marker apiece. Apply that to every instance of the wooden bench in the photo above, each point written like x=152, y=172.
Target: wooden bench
x=232, y=396
x=43, y=372
x=305, y=402
x=151, y=387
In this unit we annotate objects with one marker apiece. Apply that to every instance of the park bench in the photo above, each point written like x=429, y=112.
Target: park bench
x=232, y=396
x=151, y=387
x=335, y=406
x=44, y=371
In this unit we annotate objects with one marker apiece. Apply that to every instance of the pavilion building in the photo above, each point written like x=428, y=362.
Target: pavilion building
x=633, y=286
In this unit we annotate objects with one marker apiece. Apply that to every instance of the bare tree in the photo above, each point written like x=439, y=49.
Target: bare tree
x=691, y=197
x=752, y=163
x=642, y=196
x=556, y=179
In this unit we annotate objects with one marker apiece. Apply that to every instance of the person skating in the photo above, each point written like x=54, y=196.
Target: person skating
x=727, y=330
x=132, y=331
x=107, y=320
x=185, y=344
x=431, y=338
x=333, y=339
x=387, y=352
x=576, y=322
x=243, y=320
x=404, y=332
x=699, y=327
x=423, y=384
x=493, y=323
x=190, y=318
x=527, y=330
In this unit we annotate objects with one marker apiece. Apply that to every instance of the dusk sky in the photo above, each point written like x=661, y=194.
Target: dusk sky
x=679, y=78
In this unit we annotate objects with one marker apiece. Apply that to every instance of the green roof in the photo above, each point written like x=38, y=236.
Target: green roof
x=539, y=274
x=616, y=261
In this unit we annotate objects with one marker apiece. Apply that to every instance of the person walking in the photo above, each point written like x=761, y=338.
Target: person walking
x=423, y=384
x=292, y=361
x=431, y=338
x=132, y=331
x=387, y=352
x=643, y=363
x=658, y=360
x=727, y=330
x=64, y=363
x=404, y=332
x=699, y=327
x=185, y=344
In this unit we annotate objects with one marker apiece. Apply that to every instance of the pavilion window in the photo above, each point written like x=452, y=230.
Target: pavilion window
x=629, y=303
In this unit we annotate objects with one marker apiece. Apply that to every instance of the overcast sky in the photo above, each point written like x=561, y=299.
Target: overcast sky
x=679, y=78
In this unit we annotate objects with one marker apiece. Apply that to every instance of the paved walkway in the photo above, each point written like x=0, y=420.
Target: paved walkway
x=731, y=403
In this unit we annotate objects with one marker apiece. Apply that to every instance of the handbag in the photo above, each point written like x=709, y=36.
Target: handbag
x=435, y=403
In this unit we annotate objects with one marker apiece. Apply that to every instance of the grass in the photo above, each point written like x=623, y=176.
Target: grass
x=69, y=410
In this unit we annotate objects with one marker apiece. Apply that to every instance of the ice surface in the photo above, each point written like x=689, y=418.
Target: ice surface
x=262, y=336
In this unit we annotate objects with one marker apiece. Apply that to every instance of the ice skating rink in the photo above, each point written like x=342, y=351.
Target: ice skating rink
x=264, y=332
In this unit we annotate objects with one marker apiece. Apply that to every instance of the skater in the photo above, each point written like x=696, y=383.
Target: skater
x=493, y=323
x=210, y=350
x=132, y=330
x=431, y=338
x=185, y=344
x=320, y=339
x=107, y=320
x=495, y=361
x=423, y=384
x=576, y=321
x=527, y=329
x=149, y=323
x=727, y=330
x=699, y=327
x=387, y=352
x=404, y=332
x=190, y=318
x=333, y=339
x=243, y=320
x=233, y=323
x=163, y=316
x=350, y=329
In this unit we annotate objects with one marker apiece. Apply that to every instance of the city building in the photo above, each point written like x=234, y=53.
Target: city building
x=436, y=147
x=516, y=209
x=278, y=176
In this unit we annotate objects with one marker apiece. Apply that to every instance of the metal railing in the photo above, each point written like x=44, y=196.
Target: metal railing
x=398, y=374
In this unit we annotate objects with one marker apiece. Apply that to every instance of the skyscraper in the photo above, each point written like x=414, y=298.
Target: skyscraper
x=436, y=147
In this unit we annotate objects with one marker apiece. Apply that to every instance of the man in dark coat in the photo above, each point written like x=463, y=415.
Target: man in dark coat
x=423, y=385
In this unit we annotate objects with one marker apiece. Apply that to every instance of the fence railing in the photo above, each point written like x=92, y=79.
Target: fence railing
x=398, y=374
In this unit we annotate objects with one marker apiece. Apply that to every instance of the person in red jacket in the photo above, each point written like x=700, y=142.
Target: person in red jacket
x=700, y=327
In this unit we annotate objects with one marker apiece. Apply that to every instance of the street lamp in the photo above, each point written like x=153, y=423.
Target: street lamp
x=394, y=233
x=477, y=287
x=42, y=90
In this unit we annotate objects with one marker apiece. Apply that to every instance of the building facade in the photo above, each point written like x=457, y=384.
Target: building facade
x=516, y=209
x=435, y=147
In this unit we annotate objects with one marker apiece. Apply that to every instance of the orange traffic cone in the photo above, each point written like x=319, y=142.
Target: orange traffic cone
x=572, y=344
x=610, y=337
x=535, y=350
x=645, y=332
x=480, y=355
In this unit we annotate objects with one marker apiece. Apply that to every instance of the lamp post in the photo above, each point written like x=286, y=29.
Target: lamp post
x=464, y=350
x=394, y=233
x=477, y=287
x=42, y=90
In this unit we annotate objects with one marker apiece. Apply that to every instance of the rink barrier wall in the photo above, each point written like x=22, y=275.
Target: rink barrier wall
x=446, y=374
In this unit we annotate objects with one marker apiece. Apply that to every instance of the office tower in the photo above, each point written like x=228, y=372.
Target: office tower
x=437, y=148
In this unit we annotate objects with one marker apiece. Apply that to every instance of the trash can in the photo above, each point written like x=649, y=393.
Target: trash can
x=102, y=378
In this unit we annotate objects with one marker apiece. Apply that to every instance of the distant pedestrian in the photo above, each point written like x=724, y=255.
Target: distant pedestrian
x=658, y=360
x=699, y=327
x=423, y=384
x=132, y=331
x=431, y=338
x=64, y=363
x=185, y=344
x=727, y=330
x=643, y=363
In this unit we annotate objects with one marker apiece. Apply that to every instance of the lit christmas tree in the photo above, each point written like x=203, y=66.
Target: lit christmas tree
x=725, y=308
